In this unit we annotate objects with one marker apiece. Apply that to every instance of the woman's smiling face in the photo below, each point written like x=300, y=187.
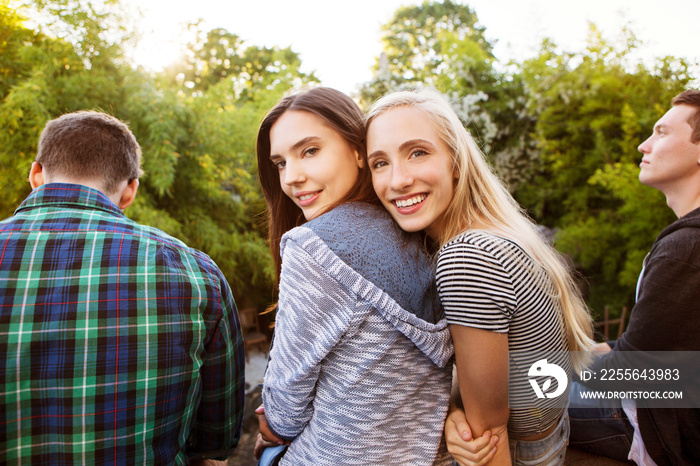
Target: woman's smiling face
x=412, y=169
x=317, y=166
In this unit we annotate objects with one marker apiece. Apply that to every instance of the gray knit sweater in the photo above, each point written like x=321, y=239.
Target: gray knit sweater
x=360, y=370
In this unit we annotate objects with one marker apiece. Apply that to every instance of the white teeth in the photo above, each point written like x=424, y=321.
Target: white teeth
x=410, y=202
x=306, y=196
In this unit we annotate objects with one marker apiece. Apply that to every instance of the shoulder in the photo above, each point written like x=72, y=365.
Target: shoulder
x=365, y=239
x=171, y=251
x=360, y=233
x=680, y=241
x=477, y=246
x=478, y=256
x=356, y=215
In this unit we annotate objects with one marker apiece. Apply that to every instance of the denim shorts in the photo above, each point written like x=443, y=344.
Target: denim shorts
x=549, y=451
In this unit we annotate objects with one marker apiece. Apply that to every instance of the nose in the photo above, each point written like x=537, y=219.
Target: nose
x=645, y=147
x=401, y=177
x=293, y=173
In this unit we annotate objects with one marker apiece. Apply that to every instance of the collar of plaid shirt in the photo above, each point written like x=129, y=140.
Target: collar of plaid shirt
x=68, y=195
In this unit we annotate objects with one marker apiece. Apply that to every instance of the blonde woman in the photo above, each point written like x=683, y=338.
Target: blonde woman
x=514, y=311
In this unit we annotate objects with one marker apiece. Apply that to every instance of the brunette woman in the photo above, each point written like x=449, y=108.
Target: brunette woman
x=359, y=370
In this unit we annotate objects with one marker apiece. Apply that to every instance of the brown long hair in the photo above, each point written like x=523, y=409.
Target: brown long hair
x=339, y=112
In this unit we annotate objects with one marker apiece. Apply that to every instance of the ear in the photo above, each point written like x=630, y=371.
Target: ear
x=36, y=175
x=360, y=159
x=128, y=194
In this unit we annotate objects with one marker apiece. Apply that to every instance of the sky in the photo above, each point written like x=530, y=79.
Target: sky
x=340, y=40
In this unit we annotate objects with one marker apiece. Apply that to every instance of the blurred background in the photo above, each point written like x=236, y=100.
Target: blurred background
x=559, y=97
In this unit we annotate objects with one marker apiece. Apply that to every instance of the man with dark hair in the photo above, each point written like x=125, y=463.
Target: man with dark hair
x=666, y=315
x=118, y=343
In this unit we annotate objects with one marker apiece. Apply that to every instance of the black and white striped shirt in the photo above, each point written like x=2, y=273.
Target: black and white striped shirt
x=489, y=282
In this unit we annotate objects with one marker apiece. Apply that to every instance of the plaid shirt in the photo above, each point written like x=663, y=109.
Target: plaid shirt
x=118, y=343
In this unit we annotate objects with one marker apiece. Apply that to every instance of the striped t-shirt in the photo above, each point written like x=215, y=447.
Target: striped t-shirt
x=489, y=282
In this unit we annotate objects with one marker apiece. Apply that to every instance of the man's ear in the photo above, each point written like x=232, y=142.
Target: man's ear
x=36, y=175
x=128, y=194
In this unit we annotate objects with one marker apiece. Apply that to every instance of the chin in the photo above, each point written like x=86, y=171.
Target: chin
x=410, y=227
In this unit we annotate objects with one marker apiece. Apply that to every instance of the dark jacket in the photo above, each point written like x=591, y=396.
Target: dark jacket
x=666, y=317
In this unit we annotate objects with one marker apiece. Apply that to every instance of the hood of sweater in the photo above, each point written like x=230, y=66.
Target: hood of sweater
x=678, y=239
x=689, y=220
x=367, y=252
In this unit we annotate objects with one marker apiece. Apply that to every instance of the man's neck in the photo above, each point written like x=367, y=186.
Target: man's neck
x=682, y=205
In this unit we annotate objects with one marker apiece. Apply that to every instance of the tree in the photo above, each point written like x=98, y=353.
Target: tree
x=205, y=174
x=218, y=55
x=592, y=110
x=33, y=64
x=200, y=180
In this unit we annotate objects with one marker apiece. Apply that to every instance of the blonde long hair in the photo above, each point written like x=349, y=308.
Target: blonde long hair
x=481, y=201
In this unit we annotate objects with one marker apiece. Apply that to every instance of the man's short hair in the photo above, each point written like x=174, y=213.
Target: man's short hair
x=91, y=146
x=692, y=98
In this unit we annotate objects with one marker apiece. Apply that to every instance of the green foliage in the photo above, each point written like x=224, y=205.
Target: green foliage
x=198, y=141
x=593, y=108
x=611, y=244
x=96, y=29
x=436, y=44
x=32, y=63
x=218, y=56
x=560, y=128
x=436, y=36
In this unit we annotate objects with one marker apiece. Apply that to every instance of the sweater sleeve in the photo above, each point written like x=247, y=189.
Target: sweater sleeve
x=313, y=314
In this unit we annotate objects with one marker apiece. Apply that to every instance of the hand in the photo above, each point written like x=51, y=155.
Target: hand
x=463, y=449
x=602, y=347
x=265, y=432
x=261, y=444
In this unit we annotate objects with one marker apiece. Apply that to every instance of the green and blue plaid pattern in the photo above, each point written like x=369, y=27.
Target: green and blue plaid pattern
x=118, y=343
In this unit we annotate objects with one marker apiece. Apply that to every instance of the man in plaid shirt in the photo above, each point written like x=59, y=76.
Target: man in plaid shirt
x=118, y=343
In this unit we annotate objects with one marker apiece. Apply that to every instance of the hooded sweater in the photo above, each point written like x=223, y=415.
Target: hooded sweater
x=666, y=317
x=360, y=370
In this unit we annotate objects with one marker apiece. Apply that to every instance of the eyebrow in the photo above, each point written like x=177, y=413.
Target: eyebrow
x=298, y=144
x=403, y=146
